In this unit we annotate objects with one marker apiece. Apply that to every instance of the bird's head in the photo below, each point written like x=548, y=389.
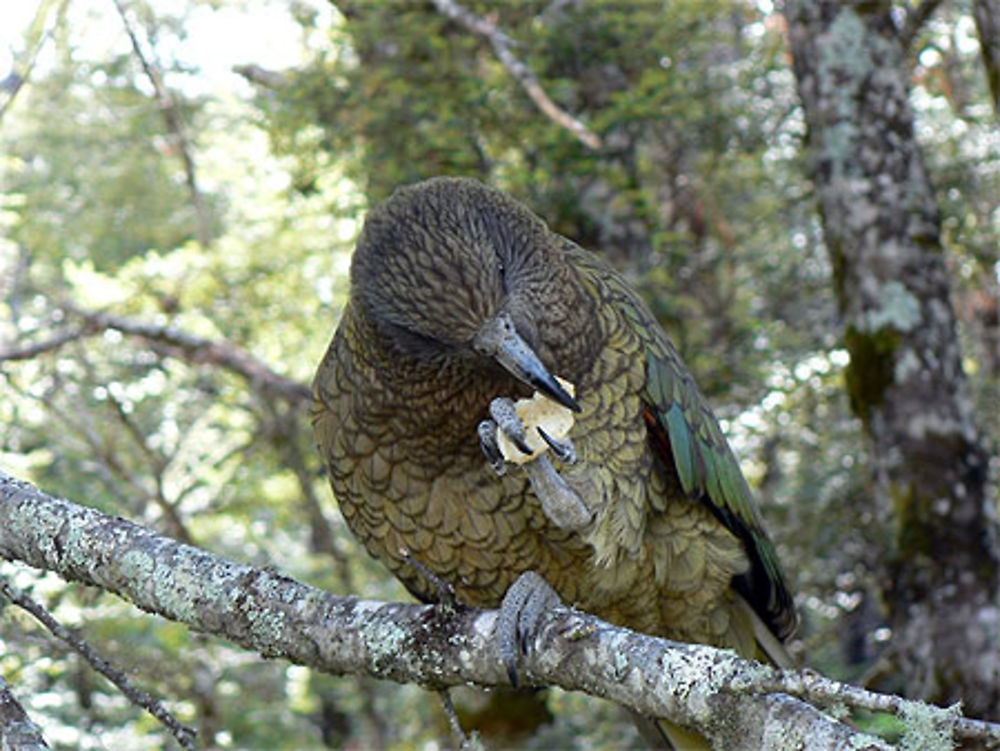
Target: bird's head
x=453, y=269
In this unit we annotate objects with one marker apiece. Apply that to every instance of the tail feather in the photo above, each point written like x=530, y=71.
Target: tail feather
x=769, y=647
x=661, y=735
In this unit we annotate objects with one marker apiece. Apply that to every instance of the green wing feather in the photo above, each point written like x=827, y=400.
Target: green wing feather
x=687, y=437
x=708, y=472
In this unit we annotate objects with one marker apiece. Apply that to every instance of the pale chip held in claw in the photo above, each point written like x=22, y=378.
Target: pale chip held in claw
x=538, y=411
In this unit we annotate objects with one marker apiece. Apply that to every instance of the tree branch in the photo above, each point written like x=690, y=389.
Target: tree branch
x=824, y=692
x=263, y=77
x=707, y=689
x=175, y=342
x=58, y=341
x=17, y=731
x=184, y=735
x=521, y=72
x=37, y=35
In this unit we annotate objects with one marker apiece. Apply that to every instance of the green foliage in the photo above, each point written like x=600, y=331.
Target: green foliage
x=688, y=122
x=85, y=162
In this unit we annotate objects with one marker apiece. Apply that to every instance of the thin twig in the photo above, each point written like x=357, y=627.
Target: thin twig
x=157, y=467
x=987, y=15
x=282, y=430
x=184, y=735
x=521, y=72
x=263, y=77
x=58, y=341
x=916, y=19
x=170, y=111
x=465, y=742
x=16, y=79
x=104, y=464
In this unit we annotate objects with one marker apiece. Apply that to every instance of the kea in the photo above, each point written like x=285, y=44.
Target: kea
x=463, y=301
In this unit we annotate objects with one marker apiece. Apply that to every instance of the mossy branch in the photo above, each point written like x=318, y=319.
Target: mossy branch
x=737, y=703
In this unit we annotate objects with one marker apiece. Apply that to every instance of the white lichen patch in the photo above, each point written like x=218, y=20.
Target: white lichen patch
x=136, y=564
x=927, y=728
x=363, y=608
x=177, y=588
x=620, y=664
x=538, y=412
x=899, y=309
x=44, y=528
x=266, y=626
x=385, y=644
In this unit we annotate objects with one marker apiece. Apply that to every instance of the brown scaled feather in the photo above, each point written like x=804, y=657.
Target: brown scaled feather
x=671, y=550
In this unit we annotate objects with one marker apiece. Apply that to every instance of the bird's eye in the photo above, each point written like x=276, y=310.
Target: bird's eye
x=501, y=270
x=506, y=325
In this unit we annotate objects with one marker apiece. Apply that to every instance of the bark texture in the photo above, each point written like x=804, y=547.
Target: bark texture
x=704, y=688
x=17, y=731
x=905, y=379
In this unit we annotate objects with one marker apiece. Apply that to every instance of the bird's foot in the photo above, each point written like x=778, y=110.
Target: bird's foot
x=561, y=503
x=503, y=417
x=523, y=606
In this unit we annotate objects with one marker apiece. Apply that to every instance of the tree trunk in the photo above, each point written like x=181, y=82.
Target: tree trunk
x=905, y=379
x=987, y=15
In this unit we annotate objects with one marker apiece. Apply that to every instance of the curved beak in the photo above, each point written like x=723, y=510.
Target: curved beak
x=498, y=338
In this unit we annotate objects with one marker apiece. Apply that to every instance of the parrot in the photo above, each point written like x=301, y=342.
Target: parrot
x=462, y=301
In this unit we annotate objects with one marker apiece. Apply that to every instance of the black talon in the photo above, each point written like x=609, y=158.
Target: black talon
x=522, y=446
x=553, y=444
x=511, y=664
x=562, y=450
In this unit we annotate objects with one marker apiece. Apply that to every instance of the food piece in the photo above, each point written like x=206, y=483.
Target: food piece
x=538, y=411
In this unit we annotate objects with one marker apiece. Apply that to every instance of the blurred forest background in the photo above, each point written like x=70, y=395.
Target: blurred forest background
x=182, y=182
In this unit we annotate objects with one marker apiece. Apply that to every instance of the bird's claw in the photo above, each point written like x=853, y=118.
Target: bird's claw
x=564, y=448
x=521, y=610
x=504, y=414
x=504, y=417
x=491, y=446
x=561, y=504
